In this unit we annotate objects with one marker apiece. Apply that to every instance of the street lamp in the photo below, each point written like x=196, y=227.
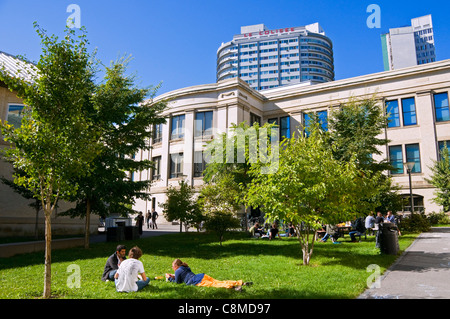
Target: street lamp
x=409, y=166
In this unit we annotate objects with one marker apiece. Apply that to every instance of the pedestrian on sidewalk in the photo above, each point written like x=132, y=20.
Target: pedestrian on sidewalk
x=154, y=218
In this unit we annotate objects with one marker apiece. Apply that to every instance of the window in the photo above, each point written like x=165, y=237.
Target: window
x=409, y=112
x=323, y=119
x=441, y=145
x=199, y=163
x=156, y=171
x=393, y=112
x=157, y=133
x=177, y=127
x=396, y=159
x=413, y=155
x=254, y=119
x=15, y=115
x=203, y=123
x=306, y=122
x=285, y=130
x=441, y=107
x=176, y=165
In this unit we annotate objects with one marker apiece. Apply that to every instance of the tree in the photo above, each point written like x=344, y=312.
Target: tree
x=440, y=179
x=181, y=205
x=219, y=205
x=310, y=187
x=356, y=130
x=123, y=115
x=53, y=144
x=230, y=156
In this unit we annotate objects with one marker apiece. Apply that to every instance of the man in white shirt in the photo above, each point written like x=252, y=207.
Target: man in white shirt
x=126, y=277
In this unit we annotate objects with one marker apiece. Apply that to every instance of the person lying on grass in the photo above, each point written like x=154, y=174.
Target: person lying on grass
x=184, y=274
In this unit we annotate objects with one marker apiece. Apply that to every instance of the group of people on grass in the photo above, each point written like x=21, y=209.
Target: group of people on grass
x=359, y=226
x=273, y=232
x=129, y=275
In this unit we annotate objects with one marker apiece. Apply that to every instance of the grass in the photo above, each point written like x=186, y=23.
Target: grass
x=336, y=271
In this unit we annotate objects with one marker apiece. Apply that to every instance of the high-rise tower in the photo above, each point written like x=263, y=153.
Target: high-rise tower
x=267, y=58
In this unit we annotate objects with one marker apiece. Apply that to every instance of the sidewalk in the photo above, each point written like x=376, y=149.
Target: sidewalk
x=422, y=272
x=163, y=229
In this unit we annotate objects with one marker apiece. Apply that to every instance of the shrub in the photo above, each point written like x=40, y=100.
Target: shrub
x=438, y=218
x=416, y=222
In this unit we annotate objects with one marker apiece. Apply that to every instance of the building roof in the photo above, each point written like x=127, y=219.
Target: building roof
x=17, y=67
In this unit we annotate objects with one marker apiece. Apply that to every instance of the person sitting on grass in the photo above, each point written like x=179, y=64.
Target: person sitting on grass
x=184, y=274
x=127, y=276
x=113, y=262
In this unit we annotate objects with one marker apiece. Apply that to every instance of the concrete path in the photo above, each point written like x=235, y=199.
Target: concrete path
x=422, y=272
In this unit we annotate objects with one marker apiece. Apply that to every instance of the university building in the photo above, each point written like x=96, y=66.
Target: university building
x=417, y=98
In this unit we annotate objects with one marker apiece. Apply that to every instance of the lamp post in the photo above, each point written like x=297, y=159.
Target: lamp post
x=409, y=166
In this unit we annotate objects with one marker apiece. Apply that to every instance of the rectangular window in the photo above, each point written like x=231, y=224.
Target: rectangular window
x=306, y=123
x=156, y=171
x=285, y=127
x=254, y=119
x=393, y=112
x=176, y=165
x=203, y=123
x=413, y=155
x=199, y=163
x=323, y=119
x=15, y=115
x=409, y=112
x=441, y=145
x=177, y=127
x=157, y=133
x=441, y=107
x=396, y=159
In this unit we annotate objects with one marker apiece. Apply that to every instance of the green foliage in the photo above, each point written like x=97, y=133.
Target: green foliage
x=310, y=187
x=220, y=223
x=181, y=205
x=440, y=178
x=122, y=118
x=416, y=222
x=440, y=218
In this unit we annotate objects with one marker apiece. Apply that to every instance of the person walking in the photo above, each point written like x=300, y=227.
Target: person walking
x=154, y=218
x=139, y=222
x=147, y=218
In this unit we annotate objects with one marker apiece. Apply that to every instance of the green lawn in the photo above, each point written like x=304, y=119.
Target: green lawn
x=336, y=270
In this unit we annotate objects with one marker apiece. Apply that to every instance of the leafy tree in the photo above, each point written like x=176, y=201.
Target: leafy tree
x=123, y=115
x=356, y=133
x=310, y=187
x=230, y=157
x=53, y=144
x=181, y=205
x=217, y=203
x=440, y=179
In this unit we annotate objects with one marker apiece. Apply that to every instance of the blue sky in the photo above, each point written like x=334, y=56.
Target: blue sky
x=175, y=42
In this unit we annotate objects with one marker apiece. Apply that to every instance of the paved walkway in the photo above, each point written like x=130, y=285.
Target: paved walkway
x=165, y=228
x=422, y=272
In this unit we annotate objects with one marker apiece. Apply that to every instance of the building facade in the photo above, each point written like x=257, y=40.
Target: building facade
x=416, y=97
x=267, y=59
x=408, y=46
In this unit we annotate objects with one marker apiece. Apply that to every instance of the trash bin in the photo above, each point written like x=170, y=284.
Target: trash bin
x=388, y=239
x=115, y=233
x=131, y=232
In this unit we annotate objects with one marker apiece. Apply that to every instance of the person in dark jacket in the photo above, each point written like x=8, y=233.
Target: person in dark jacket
x=113, y=262
x=184, y=274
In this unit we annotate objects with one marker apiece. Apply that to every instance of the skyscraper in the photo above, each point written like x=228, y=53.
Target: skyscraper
x=410, y=45
x=270, y=58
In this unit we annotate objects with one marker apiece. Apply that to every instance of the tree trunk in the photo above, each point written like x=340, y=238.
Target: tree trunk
x=87, y=224
x=48, y=255
x=36, y=224
x=304, y=242
x=181, y=226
